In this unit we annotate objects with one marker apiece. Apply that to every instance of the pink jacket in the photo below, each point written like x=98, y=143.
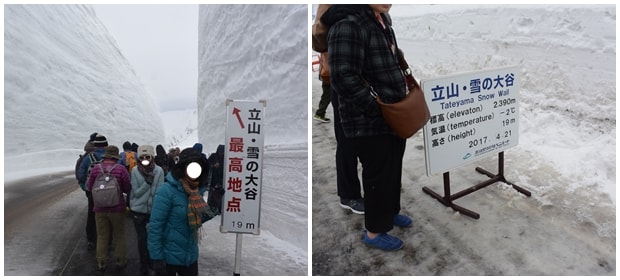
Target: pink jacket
x=122, y=176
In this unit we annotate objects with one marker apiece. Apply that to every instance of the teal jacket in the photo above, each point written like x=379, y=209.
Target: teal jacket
x=142, y=193
x=169, y=235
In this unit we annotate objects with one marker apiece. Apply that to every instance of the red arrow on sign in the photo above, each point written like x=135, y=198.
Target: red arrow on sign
x=236, y=112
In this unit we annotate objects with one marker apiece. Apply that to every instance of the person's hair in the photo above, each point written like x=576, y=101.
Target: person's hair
x=126, y=146
x=187, y=156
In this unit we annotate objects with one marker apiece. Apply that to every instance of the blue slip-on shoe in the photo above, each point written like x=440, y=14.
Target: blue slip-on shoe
x=384, y=242
x=402, y=221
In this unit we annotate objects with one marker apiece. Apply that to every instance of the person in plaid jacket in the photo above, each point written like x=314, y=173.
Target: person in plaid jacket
x=362, y=55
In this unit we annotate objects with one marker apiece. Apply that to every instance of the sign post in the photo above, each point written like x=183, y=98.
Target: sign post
x=243, y=170
x=473, y=115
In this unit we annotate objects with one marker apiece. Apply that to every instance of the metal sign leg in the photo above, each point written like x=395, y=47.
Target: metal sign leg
x=238, y=256
x=448, y=198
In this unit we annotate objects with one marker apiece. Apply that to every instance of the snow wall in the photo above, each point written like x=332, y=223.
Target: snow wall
x=66, y=78
x=253, y=52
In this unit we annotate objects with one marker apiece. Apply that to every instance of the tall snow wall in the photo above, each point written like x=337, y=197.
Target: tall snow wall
x=253, y=52
x=64, y=78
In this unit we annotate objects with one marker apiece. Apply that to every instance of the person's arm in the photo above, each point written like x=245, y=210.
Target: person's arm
x=83, y=169
x=346, y=60
x=162, y=206
x=125, y=179
x=213, y=209
x=138, y=183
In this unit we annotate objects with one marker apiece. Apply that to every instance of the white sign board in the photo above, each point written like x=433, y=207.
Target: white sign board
x=473, y=115
x=243, y=166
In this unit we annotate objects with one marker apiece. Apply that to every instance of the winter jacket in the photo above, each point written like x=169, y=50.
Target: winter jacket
x=161, y=158
x=170, y=237
x=122, y=177
x=360, y=56
x=216, y=167
x=142, y=193
x=83, y=169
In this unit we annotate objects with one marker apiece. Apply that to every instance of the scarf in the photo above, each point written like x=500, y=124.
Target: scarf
x=196, y=206
x=147, y=172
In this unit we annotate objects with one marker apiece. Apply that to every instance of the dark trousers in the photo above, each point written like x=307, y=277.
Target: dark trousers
x=382, y=162
x=91, y=225
x=173, y=270
x=325, y=99
x=347, y=181
x=140, y=221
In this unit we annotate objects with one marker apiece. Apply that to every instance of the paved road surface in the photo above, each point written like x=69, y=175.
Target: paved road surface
x=44, y=230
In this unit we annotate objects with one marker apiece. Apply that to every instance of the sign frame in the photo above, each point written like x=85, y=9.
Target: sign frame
x=473, y=115
x=471, y=108
x=243, y=166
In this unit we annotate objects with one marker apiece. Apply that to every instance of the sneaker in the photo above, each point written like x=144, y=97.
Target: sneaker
x=384, y=242
x=101, y=266
x=355, y=205
x=402, y=221
x=321, y=118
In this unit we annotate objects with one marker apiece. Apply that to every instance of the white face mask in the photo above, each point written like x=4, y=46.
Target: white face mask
x=145, y=162
x=194, y=170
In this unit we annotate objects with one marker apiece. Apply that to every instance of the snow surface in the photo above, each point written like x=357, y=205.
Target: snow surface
x=79, y=66
x=566, y=154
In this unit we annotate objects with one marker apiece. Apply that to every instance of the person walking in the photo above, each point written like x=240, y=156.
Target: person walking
x=111, y=218
x=146, y=177
x=347, y=181
x=99, y=142
x=362, y=55
x=178, y=213
x=216, y=177
x=326, y=87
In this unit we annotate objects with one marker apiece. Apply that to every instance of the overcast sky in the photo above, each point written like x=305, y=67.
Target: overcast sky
x=161, y=42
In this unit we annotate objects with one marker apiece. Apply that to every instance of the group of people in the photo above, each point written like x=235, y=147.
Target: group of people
x=362, y=56
x=164, y=198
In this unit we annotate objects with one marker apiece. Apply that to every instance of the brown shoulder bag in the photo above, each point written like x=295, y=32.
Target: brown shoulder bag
x=410, y=114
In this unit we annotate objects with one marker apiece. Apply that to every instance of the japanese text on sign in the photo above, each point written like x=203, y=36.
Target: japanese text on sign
x=243, y=159
x=472, y=115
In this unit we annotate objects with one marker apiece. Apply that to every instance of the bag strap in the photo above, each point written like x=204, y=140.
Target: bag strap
x=109, y=171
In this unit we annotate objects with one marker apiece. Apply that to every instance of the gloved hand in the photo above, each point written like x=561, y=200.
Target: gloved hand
x=159, y=266
x=215, y=197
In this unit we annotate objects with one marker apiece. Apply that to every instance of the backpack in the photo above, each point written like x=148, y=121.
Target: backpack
x=106, y=191
x=319, y=30
x=93, y=162
x=77, y=166
x=130, y=161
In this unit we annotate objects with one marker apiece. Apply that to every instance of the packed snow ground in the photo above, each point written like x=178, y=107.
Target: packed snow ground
x=565, y=157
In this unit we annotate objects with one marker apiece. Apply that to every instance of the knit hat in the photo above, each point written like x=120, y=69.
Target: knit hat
x=146, y=150
x=188, y=155
x=111, y=152
x=198, y=147
x=100, y=141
